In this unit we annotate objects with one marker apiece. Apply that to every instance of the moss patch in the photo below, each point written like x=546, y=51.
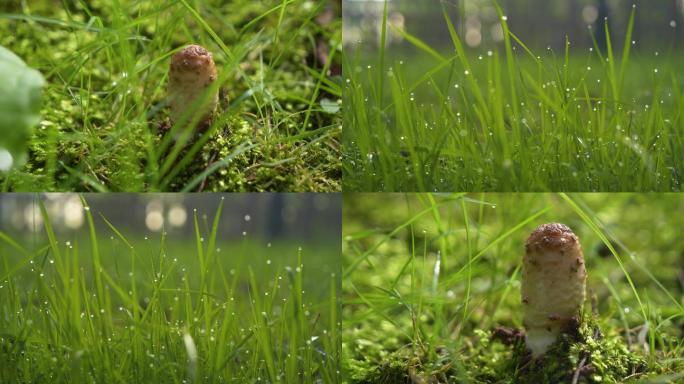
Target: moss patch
x=582, y=356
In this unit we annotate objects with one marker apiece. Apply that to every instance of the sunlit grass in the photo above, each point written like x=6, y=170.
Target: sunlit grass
x=513, y=119
x=110, y=307
x=104, y=117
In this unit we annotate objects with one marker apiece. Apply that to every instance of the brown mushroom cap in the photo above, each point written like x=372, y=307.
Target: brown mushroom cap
x=551, y=237
x=193, y=58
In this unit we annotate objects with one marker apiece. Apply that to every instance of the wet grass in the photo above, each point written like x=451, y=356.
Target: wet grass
x=428, y=280
x=513, y=119
x=108, y=306
x=104, y=115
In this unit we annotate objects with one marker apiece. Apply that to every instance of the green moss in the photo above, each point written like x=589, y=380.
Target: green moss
x=592, y=356
x=363, y=353
x=586, y=355
x=411, y=365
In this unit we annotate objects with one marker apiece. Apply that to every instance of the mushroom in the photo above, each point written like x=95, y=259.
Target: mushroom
x=553, y=285
x=192, y=72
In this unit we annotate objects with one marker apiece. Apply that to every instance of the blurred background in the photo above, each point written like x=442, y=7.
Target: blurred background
x=298, y=217
x=538, y=23
x=261, y=231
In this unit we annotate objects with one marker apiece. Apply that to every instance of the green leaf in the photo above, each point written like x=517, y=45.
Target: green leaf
x=20, y=90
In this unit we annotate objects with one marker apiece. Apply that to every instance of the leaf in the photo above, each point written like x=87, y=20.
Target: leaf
x=330, y=106
x=20, y=92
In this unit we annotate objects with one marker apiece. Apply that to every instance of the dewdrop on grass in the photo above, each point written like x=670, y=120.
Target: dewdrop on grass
x=553, y=285
x=192, y=72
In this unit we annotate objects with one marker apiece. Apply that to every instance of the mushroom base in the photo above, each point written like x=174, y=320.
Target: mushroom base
x=538, y=340
x=582, y=355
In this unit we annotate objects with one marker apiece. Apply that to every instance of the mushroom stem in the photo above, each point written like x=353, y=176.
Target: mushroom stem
x=192, y=72
x=553, y=285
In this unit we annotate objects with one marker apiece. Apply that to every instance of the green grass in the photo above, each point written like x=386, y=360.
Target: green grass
x=411, y=316
x=512, y=119
x=109, y=306
x=106, y=64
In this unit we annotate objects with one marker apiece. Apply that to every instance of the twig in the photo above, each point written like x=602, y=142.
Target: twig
x=576, y=375
x=582, y=364
x=204, y=181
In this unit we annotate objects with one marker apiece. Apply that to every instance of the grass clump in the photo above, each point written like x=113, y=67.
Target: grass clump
x=110, y=306
x=509, y=118
x=104, y=123
x=431, y=288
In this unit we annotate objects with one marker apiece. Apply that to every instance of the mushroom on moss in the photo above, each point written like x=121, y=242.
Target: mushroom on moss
x=553, y=285
x=192, y=72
